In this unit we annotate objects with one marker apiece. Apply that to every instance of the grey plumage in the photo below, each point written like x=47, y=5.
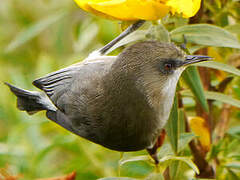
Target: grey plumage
x=31, y=101
x=120, y=102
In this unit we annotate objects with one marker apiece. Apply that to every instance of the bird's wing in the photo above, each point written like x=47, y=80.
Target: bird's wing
x=57, y=83
x=99, y=59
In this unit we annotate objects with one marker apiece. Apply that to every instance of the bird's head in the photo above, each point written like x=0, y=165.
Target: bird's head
x=156, y=67
x=164, y=59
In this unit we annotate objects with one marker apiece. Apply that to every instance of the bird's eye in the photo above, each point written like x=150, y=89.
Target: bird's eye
x=168, y=66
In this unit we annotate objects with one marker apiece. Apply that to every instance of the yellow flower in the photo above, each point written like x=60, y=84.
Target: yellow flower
x=199, y=127
x=187, y=8
x=139, y=9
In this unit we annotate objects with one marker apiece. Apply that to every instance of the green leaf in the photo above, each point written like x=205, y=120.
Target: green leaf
x=195, y=48
x=33, y=31
x=117, y=178
x=202, y=179
x=166, y=160
x=43, y=153
x=235, y=157
x=219, y=66
x=165, y=150
x=155, y=176
x=158, y=32
x=192, y=78
x=163, y=34
x=184, y=139
x=223, y=98
x=174, y=169
x=205, y=34
x=233, y=28
x=232, y=175
x=235, y=130
x=172, y=126
x=235, y=165
x=181, y=120
x=134, y=159
x=135, y=36
x=186, y=160
x=216, y=96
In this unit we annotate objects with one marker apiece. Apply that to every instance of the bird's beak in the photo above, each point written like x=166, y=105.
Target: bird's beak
x=192, y=59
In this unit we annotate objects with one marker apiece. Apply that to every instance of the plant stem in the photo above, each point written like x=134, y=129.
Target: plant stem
x=206, y=170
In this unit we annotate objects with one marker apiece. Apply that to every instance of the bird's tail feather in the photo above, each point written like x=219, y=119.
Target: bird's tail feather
x=31, y=101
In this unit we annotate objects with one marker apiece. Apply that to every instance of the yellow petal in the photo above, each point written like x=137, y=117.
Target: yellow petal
x=200, y=128
x=187, y=8
x=84, y=4
x=132, y=9
x=139, y=9
x=125, y=9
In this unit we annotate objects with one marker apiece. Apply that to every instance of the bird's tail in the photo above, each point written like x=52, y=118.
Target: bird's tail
x=31, y=101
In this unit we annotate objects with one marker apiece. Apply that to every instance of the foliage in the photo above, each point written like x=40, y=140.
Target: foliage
x=42, y=36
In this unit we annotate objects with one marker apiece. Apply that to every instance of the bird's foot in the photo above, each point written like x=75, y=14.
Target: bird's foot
x=153, y=151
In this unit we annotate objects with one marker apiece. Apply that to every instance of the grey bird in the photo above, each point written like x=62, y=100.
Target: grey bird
x=120, y=102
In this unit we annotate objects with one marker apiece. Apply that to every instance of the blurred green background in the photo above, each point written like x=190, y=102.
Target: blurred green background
x=41, y=36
